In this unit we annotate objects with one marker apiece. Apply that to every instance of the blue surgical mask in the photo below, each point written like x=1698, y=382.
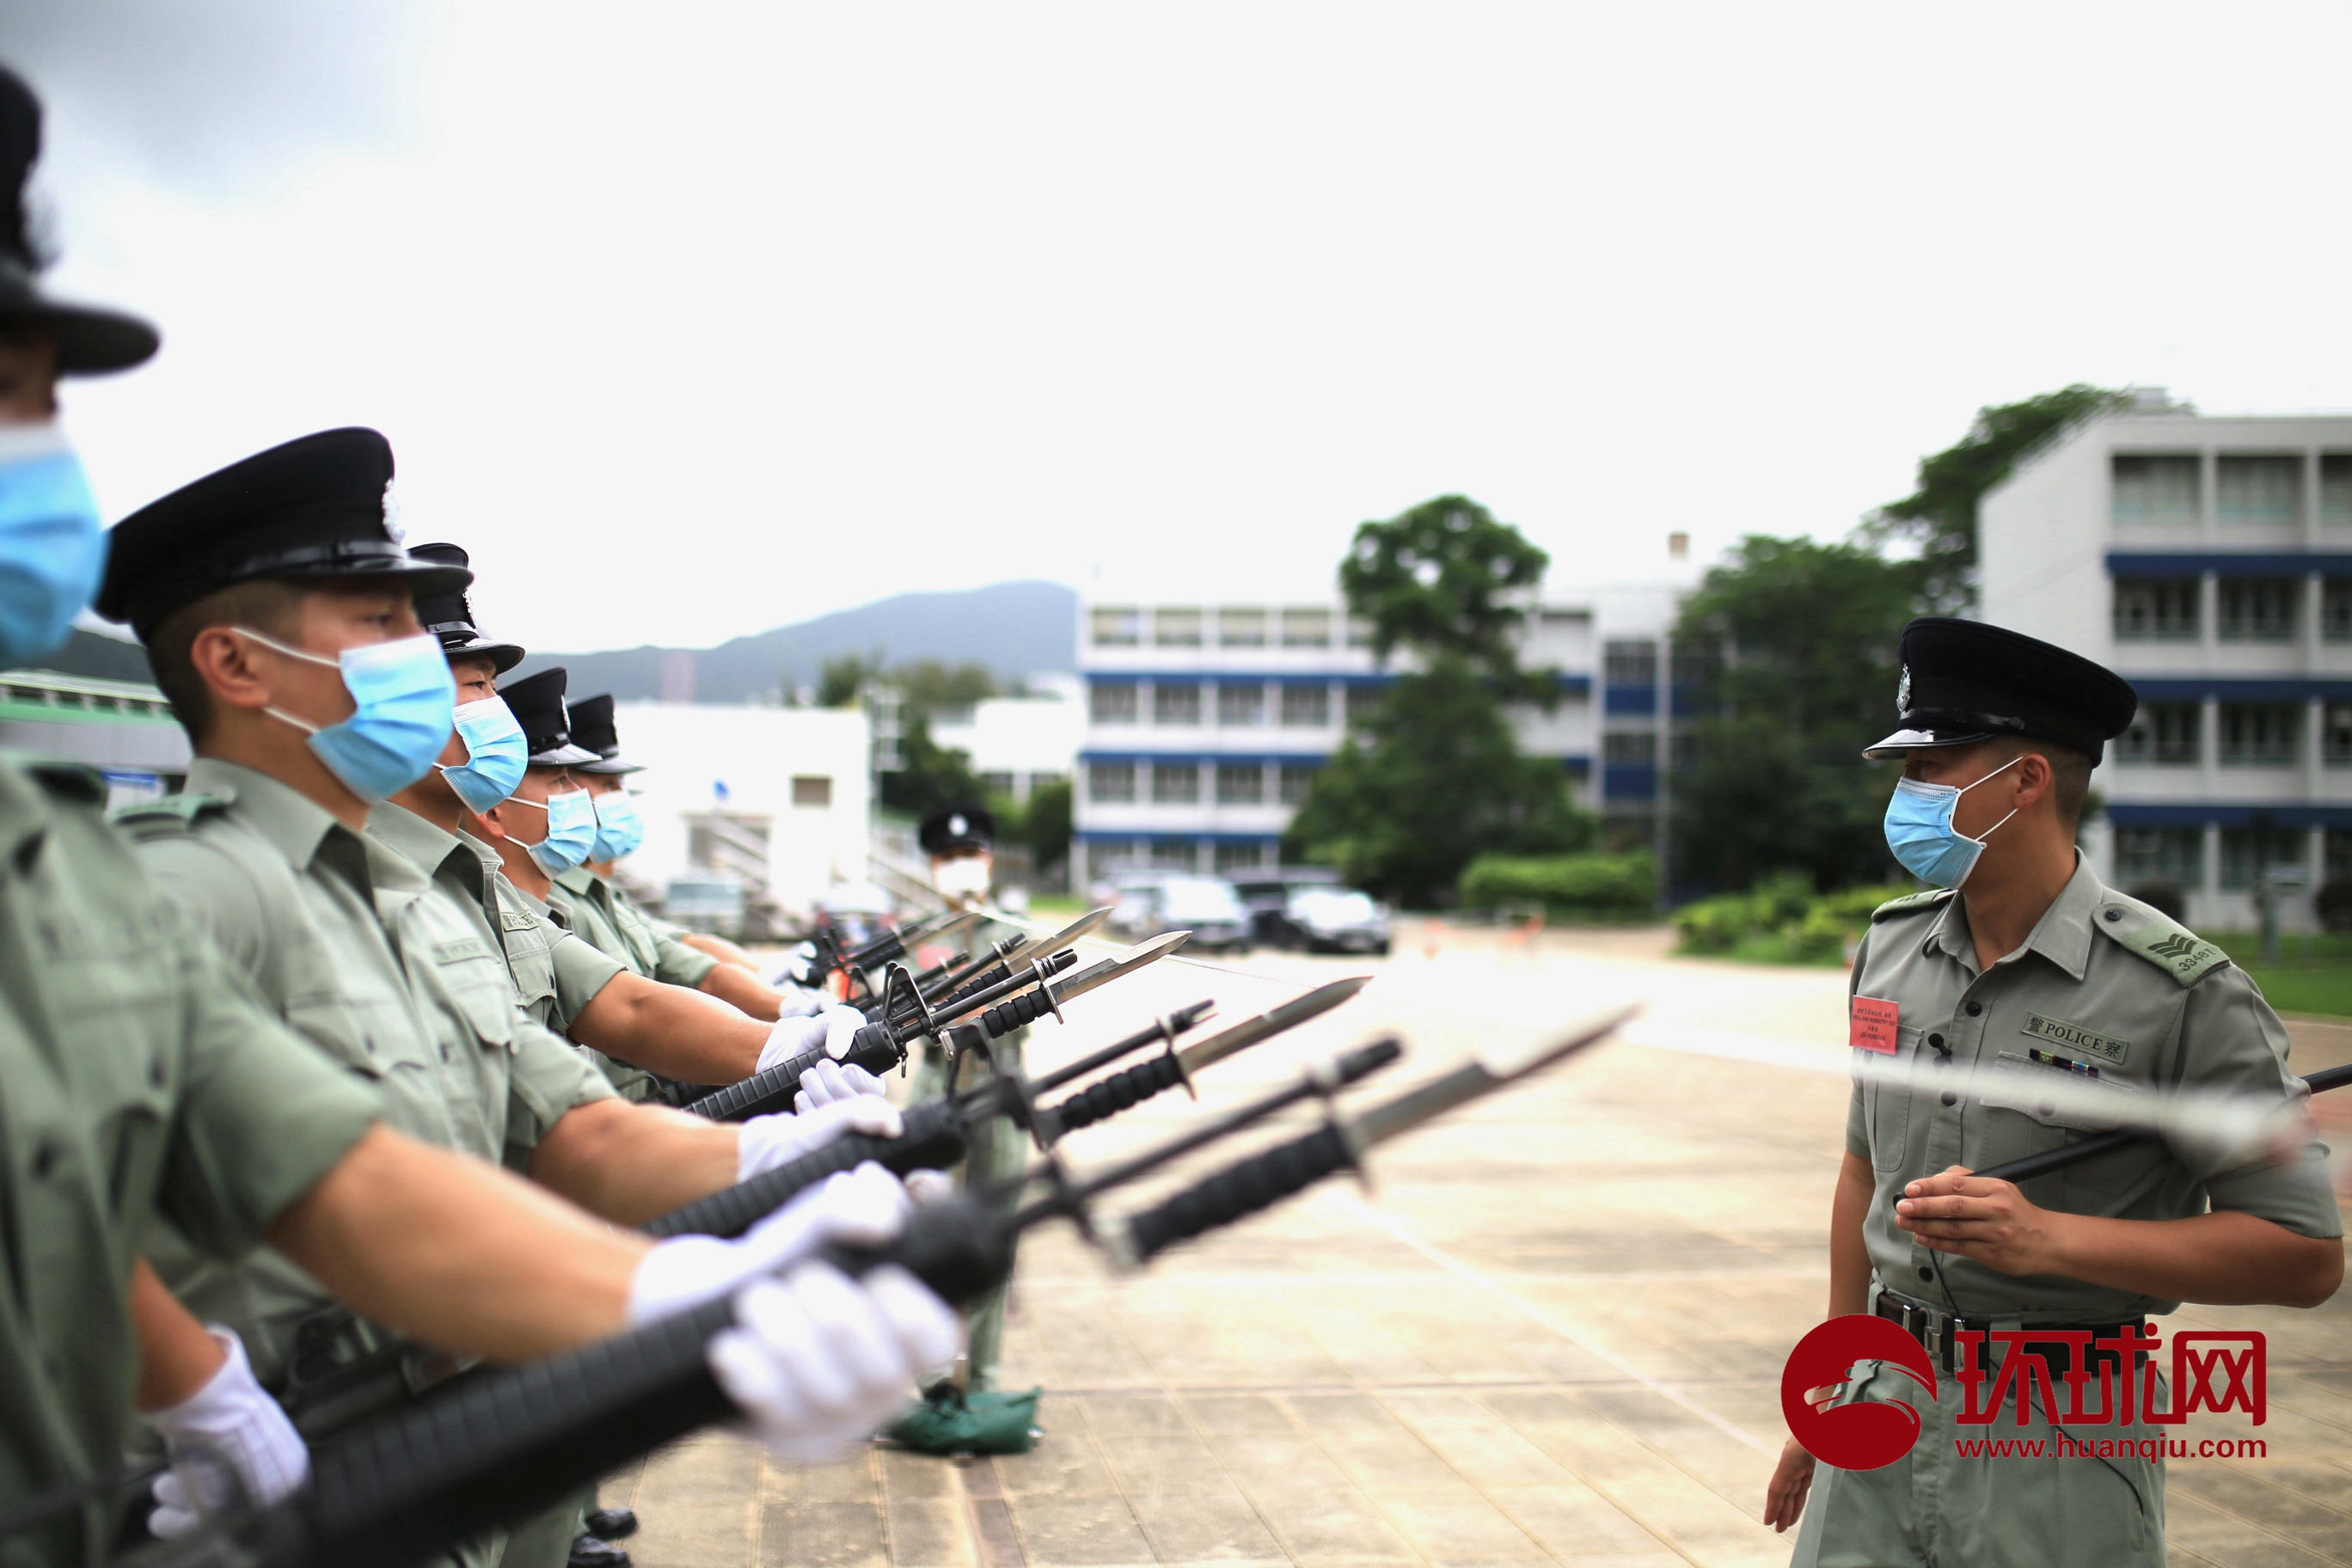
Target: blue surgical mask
x=571, y=831
x=407, y=699
x=52, y=548
x=619, y=829
x=496, y=754
x=1919, y=829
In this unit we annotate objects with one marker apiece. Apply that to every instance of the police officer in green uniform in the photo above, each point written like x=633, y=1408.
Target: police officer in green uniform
x=140, y=1082
x=658, y=943
x=961, y=842
x=542, y=833
x=2019, y=968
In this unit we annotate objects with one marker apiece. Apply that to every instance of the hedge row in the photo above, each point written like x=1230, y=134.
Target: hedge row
x=1810, y=927
x=1607, y=885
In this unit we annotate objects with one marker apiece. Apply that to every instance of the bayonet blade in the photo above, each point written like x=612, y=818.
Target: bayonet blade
x=1484, y=1073
x=1250, y=1031
x=1084, y=925
x=1095, y=975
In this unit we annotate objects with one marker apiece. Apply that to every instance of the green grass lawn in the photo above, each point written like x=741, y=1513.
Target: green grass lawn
x=2318, y=982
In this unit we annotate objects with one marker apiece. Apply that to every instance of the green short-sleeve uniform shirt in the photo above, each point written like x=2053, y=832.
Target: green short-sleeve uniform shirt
x=137, y=1078
x=600, y=913
x=2104, y=985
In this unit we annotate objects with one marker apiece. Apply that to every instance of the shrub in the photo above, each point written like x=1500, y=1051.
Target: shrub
x=1781, y=919
x=2333, y=904
x=1713, y=925
x=1621, y=885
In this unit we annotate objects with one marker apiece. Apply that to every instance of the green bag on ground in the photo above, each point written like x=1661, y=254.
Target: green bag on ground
x=950, y=1421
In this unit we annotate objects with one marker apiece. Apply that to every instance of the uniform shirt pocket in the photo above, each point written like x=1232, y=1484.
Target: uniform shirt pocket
x=1885, y=1101
x=476, y=982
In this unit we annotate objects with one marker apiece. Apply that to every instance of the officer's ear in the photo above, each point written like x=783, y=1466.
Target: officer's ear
x=493, y=826
x=2035, y=780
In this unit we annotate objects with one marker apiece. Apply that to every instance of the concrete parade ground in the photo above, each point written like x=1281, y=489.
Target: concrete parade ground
x=1552, y=1332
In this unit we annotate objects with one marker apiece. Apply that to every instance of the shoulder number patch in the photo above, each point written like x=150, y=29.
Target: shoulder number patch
x=2187, y=958
x=2060, y=1033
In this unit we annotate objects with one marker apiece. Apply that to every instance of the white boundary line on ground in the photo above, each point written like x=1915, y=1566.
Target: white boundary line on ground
x=1527, y=1308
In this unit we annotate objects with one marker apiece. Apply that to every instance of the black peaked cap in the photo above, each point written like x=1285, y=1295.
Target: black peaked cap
x=313, y=508
x=1964, y=681
x=450, y=616
x=593, y=729
x=88, y=339
x=957, y=827
x=536, y=703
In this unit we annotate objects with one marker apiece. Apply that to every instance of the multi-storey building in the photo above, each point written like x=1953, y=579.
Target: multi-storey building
x=1207, y=718
x=2209, y=560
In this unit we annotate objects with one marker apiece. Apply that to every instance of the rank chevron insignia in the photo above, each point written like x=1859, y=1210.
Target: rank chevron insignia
x=2178, y=953
x=2177, y=945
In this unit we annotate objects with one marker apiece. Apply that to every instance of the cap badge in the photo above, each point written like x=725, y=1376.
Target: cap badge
x=1902, y=693
x=392, y=529
x=955, y=825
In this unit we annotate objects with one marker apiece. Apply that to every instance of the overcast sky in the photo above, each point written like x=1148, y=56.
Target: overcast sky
x=693, y=319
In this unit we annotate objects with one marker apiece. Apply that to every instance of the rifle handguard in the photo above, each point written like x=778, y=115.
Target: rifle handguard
x=1026, y=1008
x=933, y=1139
x=1110, y=1096
x=872, y=1047
x=1255, y=1184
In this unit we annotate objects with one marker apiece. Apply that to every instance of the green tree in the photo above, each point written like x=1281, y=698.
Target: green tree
x=1940, y=515
x=1433, y=779
x=1807, y=680
x=843, y=678
x=1044, y=824
x=932, y=778
x=1446, y=579
x=927, y=686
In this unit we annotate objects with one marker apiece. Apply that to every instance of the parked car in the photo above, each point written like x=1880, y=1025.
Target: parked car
x=1206, y=906
x=1267, y=889
x=1332, y=920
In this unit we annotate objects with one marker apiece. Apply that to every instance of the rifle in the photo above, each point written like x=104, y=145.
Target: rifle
x=506, y=1444
x=2027, y=1167
x=883, y=1044
x=937, y=1133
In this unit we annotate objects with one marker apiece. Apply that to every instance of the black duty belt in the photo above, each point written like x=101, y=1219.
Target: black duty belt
x=1938, y=1332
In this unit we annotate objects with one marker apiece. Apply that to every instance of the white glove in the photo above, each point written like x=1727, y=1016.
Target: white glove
x=818, y=1361
x=926, y=1188
x=864, y=1207
x=764, y=1142
x=798, y=1001
x=830, y=1082
x=830, y=1030
x=227, y=1442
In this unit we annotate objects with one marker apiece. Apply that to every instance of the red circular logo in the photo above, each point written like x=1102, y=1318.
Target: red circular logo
x=1864, y=1437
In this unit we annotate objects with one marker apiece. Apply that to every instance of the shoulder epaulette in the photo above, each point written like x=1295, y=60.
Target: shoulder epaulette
x=1908, y=902
x=2148, y=933
x=168, y=813
x=70, y=780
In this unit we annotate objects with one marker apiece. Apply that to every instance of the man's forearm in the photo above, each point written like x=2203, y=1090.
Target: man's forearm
x=720, y=947
x=672, y=1030
x=2220, y=1259
x=1849, y=1253
x=631, y=1163
x=458, y=1253
x=746, y=992
x=177, y=1355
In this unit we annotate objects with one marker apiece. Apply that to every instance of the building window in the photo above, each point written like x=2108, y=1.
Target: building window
x=1696, y=662
x=2257, y=490
x=1175, y=783
x=1629, y=663
x=1175, y=855
x=1630, y=749
x=1240, y=627
x=1241, y=704
x=812, y=789
x=1362, y=700
x=2175, y=854
x=2161, y=608
x=1112, y=702
x=2247, y=852
x=2336, y=487
x=1232, y=857
x=1118, y=629
x=2258, y=609
x=1176, y=702
x=1306, y=629
x=2161, y=733
x=1240, y=784
x=1296, y=780
x=2259, y=734
x=1176, y=628
x=2336, y=734
x=1307, y=707
x=2336, y=610
x=1047, y=780
x=1110, y=783
x=996, y=783
x=1105, y=856
x=2150, y=488
x=1683, y=747
x=2339, y=854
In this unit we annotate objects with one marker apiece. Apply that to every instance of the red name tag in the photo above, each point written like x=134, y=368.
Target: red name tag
x=1871, y=1027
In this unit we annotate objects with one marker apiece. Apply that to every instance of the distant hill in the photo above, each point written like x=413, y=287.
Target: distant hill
x=1015, y=629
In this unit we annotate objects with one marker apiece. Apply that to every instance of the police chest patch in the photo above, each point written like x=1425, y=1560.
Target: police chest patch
x=2074, y=1036
x=453, y=952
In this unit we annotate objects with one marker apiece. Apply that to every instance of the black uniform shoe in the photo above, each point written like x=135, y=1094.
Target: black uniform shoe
x=612, y=1523
x=589, y=1551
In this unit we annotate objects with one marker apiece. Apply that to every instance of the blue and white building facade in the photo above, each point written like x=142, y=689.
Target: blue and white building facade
x=1207, y=716
x=2208, y=560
